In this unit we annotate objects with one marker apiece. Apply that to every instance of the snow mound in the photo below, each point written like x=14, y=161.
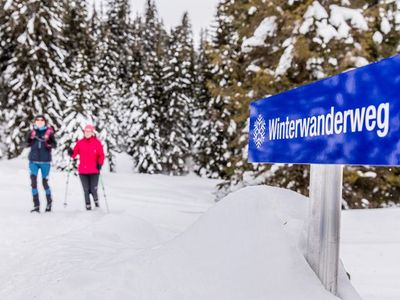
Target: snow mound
x=246, y=247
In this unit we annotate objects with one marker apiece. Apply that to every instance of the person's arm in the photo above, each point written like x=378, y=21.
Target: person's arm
x=29, y=138
x=100, y=156
x=75, y=152
x=52, y=141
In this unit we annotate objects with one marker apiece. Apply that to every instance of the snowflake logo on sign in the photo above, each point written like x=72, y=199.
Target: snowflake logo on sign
x=259, y=131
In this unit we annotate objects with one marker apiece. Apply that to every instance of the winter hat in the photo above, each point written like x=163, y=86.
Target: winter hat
x=40, y=117
x=90, y=127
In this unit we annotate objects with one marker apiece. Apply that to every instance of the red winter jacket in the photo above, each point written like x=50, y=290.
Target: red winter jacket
x=90, y=153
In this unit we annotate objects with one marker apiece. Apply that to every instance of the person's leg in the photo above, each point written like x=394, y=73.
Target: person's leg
x=45, y=169
x=86, y=189
x=33, y=170
x=94, y=182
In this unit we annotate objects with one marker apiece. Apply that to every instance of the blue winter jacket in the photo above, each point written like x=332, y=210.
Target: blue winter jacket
x=40, y=148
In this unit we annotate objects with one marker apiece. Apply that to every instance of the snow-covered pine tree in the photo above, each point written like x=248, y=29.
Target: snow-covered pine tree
x=136, y=47
x=223, y=88
x=3, y=35
x=79, y=106
x=275, y=53
x=121, y=43
x=202, y=125
x=129, y=102
x=94, y=45
x=35, y=73
x=78, y=111
x=178, y=91
x=128, y=113
x=144, y=132
x=103, y=77
x=7, y=44
x=75, y=30
x=106, y=94
x=118, y=23
x=94, y=37
x=287, y=44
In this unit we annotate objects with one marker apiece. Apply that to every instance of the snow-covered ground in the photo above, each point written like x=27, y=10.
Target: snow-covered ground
x=370, y=250
x=166, y=239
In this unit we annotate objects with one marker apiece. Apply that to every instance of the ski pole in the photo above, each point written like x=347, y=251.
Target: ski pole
x=70, y=167
x=66, y=190
x=104, y=192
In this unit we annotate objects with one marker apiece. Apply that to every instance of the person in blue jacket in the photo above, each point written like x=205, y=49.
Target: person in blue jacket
x=41, y=140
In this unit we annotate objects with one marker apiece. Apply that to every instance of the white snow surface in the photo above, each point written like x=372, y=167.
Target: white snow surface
x=377, y=37
x=360, y=61
x=385, y=25
x=336, y=25
x=252, y=10
x=165, y=238
x=370, y=250
x=340, y=14
x=286, y=59
x=267, y=28
x=317, y=11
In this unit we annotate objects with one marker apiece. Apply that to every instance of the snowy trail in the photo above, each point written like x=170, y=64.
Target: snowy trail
x=41, y=251
x=146, y=248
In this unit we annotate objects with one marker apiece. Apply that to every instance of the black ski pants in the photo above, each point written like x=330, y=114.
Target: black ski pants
x=89, y=184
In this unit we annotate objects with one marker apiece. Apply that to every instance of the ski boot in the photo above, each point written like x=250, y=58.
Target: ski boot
x=48, y=207
x=35, y=209
x=96, y=203
x=36, y=204
x=88, y=207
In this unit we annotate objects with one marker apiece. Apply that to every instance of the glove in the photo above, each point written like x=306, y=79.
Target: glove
x=50, y=131
x=70, y=151
x=99, y=167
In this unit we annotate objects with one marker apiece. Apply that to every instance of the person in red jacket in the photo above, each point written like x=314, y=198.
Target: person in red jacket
x=91, y=159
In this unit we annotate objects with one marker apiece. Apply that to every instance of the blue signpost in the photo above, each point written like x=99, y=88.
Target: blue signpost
x=352, y=118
